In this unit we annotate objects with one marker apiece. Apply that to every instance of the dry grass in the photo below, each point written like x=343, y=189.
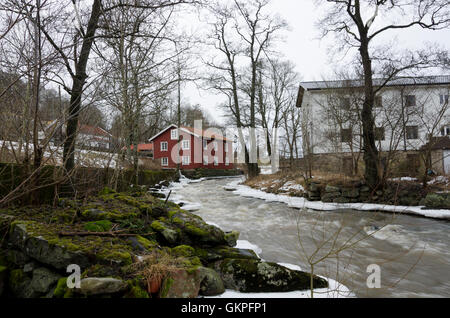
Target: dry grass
x=156, y=266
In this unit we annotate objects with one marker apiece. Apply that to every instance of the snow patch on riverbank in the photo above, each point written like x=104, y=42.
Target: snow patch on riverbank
x=300, y=203
x=335, y=290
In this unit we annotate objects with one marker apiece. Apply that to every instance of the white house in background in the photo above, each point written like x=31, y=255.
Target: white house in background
x=93, y=137
x=407, y=111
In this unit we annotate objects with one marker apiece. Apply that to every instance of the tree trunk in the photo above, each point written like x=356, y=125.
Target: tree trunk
x=77, y=88
x=370, y=150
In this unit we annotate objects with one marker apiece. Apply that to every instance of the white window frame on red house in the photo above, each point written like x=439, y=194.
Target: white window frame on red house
x=174, y=134
x=226, y=147
x=205, y=144
x=167, y=162
x=205, y=160
x=164, y=148
x=227, y=161
x=216, y=160
x=186, y=142
x=216, y=146
x=186, y=162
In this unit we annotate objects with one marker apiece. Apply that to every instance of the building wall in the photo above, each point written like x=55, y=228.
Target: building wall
x=324, y=129
x=195, y=153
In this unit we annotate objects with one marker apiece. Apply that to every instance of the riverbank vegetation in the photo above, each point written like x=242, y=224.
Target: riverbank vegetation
x=336, y=188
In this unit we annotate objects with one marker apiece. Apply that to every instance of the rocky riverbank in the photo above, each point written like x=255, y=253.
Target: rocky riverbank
x=129, y=245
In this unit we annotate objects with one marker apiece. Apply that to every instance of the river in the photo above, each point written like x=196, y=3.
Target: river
x=412, y=252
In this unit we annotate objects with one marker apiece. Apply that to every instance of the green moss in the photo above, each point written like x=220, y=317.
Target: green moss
x=136, y=290
x=168, y=282
x=177, y=221
x=104, y=249
x=146, y=243
x=16, y=277
x=183, y=250
x=106, y=191
x=196, y=231
x=123, y=257
x=98, y=226
x=157, y=226
x=61, y=288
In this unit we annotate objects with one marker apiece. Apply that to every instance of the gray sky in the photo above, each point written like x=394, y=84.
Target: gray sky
x=311, y=55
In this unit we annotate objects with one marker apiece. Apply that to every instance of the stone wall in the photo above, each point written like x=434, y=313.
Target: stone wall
x=404, y=194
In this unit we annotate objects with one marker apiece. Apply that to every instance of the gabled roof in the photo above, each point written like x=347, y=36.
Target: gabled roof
x=193, y=131
x=398, y=81
x=94, y=131
x=141, y=147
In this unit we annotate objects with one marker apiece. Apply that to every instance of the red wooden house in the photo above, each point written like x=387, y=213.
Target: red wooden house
x=198, y=149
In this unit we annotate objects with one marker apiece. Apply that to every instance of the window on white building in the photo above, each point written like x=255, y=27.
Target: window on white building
x=410, y=100
x=378, y=102
x=412, y=132
x=186, y=145
x=164, y=146
x=174, y=134
x=216, y=146
x=445, y=131
x=165, y=162
x=186, y=160
x=345, y=103
x=346, y=135
x=379, y=134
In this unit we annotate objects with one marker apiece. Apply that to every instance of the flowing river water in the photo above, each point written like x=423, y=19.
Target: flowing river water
x=412, y=252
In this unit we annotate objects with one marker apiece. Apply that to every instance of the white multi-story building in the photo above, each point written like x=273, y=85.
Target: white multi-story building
x=408, y=112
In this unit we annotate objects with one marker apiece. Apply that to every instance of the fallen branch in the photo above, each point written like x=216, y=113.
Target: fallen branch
x=105, y=234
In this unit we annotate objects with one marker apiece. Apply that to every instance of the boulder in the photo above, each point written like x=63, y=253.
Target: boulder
x=231, y=238
x=101, y=286
x=351, y=193
x=211, y=283
x=43, y=279
x=180, y=284
x=192, y=282
x=246, y=275
x=34, y=245
x=212, y=255
x=330, y=196
x=331, y=189
x=20, y=285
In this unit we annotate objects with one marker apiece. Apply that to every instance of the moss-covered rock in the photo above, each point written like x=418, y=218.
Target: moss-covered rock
x=43, y=280
x=61, y=290
x=211, y=283
x=19, y=285
x=180, y=284
x=246, y=275
x=98, y=226
x=101, y=286
x=231, y=238
x=136, y=290
x=42, y=242
x=211, y=255
x=3, y=278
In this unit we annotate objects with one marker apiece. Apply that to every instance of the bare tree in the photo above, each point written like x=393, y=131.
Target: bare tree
x=347, y=19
